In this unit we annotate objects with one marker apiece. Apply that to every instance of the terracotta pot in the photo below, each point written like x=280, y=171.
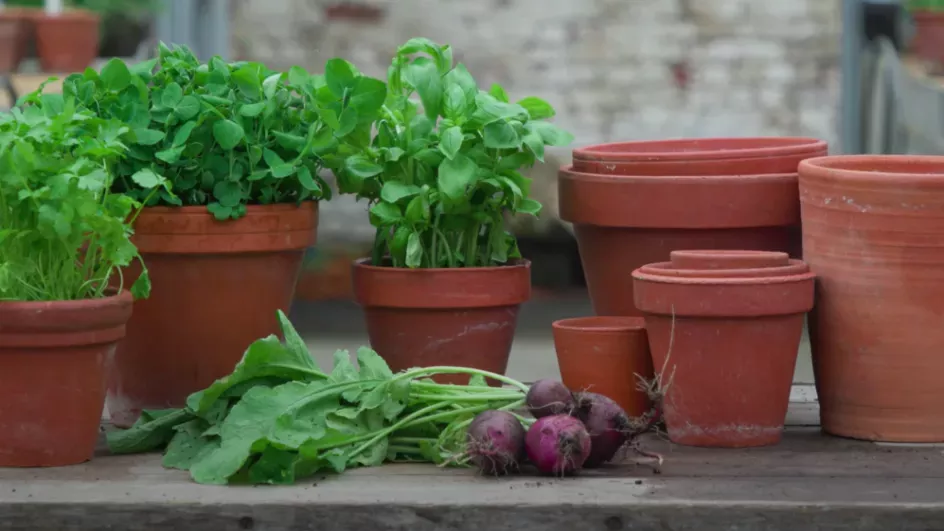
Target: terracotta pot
x=52, y=377
x=624, y=222
x=737, y=327
x=604, y=355
x=463, y=317
x=16, y=29
x=216, y=288
x=928, y=41
x=872, y=228
x=68, y=42
x=698, y=156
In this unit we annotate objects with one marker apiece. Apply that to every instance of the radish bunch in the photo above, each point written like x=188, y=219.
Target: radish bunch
x=571, y=431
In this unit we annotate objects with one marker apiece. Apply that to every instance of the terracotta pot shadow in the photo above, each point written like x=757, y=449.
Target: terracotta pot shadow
x=733, y=321
x=464, y=317
x=53, y=358
x=872, y=230
x=604, y=355
x=216, y=289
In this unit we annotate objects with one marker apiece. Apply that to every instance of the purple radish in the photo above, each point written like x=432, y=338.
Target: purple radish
x=548, y=397
x=558, y=445
x=496, y=442
x=608, y=425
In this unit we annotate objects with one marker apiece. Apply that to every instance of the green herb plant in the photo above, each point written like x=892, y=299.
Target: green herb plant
x=63, y=234
x=225, y=135
x=278, y=418
x=443, y=166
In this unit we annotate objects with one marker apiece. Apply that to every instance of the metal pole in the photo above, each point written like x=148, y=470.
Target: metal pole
x=850, y=128
x=203, y=25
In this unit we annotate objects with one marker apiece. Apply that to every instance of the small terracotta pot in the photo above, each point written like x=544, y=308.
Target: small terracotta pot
x=16, y=29
x=52, y=377
x=624, y=222
x=464, y=317
x=872, y=228
x=928, y=41
x=216, y=288
x=698, y=156
x=67, y=42
x=604, y=355
x=738, y=319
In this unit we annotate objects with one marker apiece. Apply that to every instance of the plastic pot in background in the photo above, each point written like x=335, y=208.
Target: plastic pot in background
x=67, y=42
x=604, y=355
x=734, y=320
x=16, y=29
x=698, y=156
x=216, y=288
x=53, y=358
x=463, y=317
x=872, y=232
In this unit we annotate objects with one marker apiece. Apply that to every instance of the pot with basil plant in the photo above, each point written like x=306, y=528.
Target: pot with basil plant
x=241, y=146
x=64, y=235
x=440, y=174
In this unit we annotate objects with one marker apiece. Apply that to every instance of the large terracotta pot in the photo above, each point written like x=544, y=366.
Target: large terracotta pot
x=216, y=288
x=698, y=156
x=632, y=203
x=928, y=41
x=16, y=29
x=463, y=317
x=605, y=355
x=53, y=357
x=67, y=42
x=724, y=328
x=872, y=232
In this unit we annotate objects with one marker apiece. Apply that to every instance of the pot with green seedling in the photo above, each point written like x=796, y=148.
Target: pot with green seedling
x=64, y=235
x=440, y=173
x=242, y=148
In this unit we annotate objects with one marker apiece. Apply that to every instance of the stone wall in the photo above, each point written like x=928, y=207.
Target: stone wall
x=614, y=69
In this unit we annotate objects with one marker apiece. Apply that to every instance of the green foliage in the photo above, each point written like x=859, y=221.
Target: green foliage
x=226, y=135
x=924, y=5
x=440, y=173
x=63, y=234
x=100, y=6
x=278, y=418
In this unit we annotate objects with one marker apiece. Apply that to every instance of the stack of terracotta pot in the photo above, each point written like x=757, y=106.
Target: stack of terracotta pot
x=724, y=326
x=65, y=42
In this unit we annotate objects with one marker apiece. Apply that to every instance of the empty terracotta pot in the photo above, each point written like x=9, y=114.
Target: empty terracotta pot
x=928, y=41
x=698, y=156
x=67, y=42
x=53, y=357
x=624, y=222
x=216, y=288
x=463, y=317
x=734, y=320
x=16, y=29
x=604, y=355
x=872, y=230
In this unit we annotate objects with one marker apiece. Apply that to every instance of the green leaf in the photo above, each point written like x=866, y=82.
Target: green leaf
x=228, y=134
x=147, y=179
x=535, y=143
x=283, y=170
x=550, y=133
x=455, y=103
x=537, y=108
x=183, y=134
x=141, y=289
x=347, y=121
x=170, y=156
x=220, y=212
x=383, y=214
x=228, y=193
x=368, y=96
x=187, y=108
x=152, y=431
x=173, y=93
x=298, y=76
x=361, y=166
x=530, y=206
x=414, y=251
x=289, y=141
x=498, y=92
x=307, y=181
x=425, y=78
x=271, y=85
x=272, y=158
x=340, y=76
x=251, y=110
x=394, y=191
x=247, y=81
x=456, y=175
x=451, y=141
x=501, y=135
x=115, y=75
x=188, y=445
x=148, y=137
x=418, y=209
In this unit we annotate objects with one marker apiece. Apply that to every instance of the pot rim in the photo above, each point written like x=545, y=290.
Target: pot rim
x=65, y=323
x=767, y=147
x=650, y=273
x=361, y=263
x=601, y=323
x=846, y=168
x=568, y=171
x=198, y=209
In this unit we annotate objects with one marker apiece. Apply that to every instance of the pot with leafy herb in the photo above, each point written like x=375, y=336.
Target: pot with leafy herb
x=63, y=236
x=242, y=147
x=445, y=281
